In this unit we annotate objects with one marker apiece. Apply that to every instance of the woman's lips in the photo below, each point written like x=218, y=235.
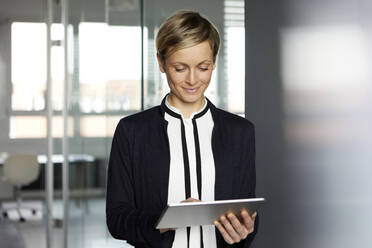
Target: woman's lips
x=191, y=90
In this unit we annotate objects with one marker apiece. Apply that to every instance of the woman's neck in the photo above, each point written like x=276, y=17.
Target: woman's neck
x=186, y=108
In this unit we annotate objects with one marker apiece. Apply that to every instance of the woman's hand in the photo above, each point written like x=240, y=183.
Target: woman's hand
x=163, y=230
x=190, y=199
x=232, y=229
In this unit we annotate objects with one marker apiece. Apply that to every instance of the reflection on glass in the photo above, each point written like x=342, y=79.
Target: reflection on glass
x=325, y=58
x=327, y=88
x=326, y=74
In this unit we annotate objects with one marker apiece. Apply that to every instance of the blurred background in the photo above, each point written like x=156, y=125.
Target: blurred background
x=309, y=92
x=300, y=70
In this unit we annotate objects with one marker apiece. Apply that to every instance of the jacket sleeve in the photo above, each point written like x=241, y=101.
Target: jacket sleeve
x=248, y=179
x=124, y=220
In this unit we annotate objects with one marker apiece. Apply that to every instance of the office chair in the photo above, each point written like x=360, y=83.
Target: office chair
x=20, y=170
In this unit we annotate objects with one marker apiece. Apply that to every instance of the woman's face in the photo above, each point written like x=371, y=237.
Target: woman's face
x=189, y=72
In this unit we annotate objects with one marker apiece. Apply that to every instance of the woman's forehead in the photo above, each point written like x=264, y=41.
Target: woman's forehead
x=200, y=53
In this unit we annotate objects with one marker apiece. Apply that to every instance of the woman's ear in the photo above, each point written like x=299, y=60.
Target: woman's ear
x=160, y=62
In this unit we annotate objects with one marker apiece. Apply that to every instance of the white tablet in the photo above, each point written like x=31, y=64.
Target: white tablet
x=203, y=213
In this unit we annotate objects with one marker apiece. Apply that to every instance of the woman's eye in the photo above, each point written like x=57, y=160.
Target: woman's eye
x=180, y=69
x=204, y=69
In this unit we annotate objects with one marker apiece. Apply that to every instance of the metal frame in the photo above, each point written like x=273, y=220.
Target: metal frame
x=49, y=168
x=65, y=147
x=142, y=7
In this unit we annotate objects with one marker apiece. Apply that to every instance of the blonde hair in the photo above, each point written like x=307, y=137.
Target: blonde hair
x=184, y=29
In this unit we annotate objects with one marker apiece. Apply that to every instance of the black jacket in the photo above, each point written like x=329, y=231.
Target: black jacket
x=138, y=172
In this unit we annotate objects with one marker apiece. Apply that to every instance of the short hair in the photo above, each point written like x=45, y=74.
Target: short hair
x=184, y=29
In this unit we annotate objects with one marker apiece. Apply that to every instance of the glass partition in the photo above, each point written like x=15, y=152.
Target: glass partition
x=112, y=72
x=104, y=86
x=23, y=121
x=111, y=78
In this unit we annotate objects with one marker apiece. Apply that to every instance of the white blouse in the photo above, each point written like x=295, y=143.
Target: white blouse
x=192, y=169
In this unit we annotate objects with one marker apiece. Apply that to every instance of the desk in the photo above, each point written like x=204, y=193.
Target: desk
x=58, y=158
x=77, y=168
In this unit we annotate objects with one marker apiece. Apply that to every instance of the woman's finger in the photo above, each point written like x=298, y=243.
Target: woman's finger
x=239, y=227
x=230, y=229
x=248, y=220
x=223, y=232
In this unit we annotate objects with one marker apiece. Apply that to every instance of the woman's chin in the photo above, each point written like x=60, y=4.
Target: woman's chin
x=192, y=99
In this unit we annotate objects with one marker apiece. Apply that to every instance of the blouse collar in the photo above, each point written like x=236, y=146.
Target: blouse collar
x=173, y=111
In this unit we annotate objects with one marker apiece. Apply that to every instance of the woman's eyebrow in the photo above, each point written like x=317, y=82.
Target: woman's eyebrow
x=178, y=63
x=207, y=61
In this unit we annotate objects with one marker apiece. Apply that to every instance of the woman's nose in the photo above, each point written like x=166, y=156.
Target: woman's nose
x=191, y=77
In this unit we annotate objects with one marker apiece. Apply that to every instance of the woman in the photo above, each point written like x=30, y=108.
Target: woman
x=186, y=148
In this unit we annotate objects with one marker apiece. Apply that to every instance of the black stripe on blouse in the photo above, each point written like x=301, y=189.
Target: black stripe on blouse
x=186, y=161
